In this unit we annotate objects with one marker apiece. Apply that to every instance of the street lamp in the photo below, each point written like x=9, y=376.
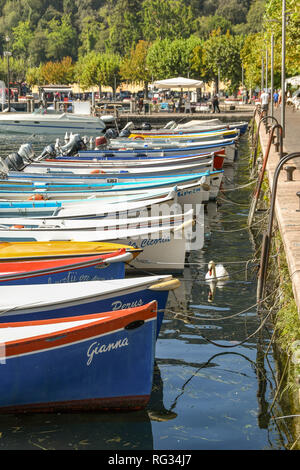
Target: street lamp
x=8, y=55
x=283, y=27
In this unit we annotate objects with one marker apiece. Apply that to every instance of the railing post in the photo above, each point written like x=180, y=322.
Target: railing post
x=268, y=235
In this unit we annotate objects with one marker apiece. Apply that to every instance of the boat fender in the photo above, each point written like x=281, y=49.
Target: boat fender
x=36, y=197
x=171, y=284
x=17, y=226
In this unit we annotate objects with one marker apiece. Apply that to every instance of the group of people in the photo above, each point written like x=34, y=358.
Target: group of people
x=265, y=99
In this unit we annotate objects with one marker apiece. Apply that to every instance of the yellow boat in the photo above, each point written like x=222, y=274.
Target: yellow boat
x=204, y=135
x=40, y=250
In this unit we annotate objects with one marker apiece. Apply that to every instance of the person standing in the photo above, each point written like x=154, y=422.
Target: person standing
x=215, y=103
x=264, y=101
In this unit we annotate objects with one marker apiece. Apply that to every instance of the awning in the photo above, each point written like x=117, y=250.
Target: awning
x=54, y=89
x=178, y=82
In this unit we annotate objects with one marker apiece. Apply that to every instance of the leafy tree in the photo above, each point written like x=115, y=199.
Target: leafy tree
x=124, y=25
x=62, y=39
x=168, y=19
x=57, y=73
x=134, y=66
x=233, y=10
x=251, y=54
x=273, y=23
x=90, y=30
x=222, y=58
x=22, y=36
x=96, y=69
x=169, y=58
x=204, y=25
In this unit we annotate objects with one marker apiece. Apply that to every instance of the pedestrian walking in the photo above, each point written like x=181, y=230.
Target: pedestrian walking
x=275, y=98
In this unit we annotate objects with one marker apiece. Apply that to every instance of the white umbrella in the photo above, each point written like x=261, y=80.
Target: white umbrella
x=294, y=81
x=178, y=82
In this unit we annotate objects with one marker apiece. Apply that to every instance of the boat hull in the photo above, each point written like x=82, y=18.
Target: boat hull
x=92, y=298
x=82, y=363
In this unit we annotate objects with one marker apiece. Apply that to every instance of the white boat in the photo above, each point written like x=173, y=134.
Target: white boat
x=193, y=193
x=164, y=248
x=19, y=224
x=97, y=210
x=52, y=122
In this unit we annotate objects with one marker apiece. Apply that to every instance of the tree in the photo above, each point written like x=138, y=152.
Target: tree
x=62, y=39
x=96, y=69
x=204, y=25
x=273, y=24
x=134, y=66
x=169, y=19
x=222, y=59
x=57, y=73
x=124, y=26
x=169, y=58
x=22, y=36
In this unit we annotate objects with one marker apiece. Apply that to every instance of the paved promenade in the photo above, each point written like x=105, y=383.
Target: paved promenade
x=287, y=202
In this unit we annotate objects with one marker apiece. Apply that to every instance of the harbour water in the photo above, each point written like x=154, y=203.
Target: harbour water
x=214, y=374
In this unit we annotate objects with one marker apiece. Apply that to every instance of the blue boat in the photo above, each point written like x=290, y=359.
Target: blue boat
x=145, y=152
x=88, y=362
x=46, y=301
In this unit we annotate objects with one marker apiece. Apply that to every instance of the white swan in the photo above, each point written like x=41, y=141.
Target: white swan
x=216, y=273
x=216, y=276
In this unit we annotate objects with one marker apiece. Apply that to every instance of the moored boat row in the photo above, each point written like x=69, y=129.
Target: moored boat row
x=90, y=241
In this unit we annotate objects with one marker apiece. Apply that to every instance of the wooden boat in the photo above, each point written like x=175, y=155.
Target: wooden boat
x=87, y=362
x=26, y=223
x=55, y=249
x=164, y=247
x=88, y=209
x=42, y=302
x=193, y=126
x=201, y=135
x=62, y=270
x=197, y=191
x=201, y=145
x=73, y=175
x=110, y=188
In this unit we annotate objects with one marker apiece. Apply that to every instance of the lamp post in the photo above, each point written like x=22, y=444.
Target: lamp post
x=272, y=74
x=8, y=55
x=283, y=27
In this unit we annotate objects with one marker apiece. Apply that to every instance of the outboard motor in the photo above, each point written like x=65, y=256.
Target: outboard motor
x=26, y=152
x=48, y=151
x=125, y=133
x=146, y=126
x=111, y=134
x=14, y=162
x=4, y=170
x=74, y=145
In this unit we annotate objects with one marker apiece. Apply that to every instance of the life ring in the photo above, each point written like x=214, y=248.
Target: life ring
x=138, y=137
